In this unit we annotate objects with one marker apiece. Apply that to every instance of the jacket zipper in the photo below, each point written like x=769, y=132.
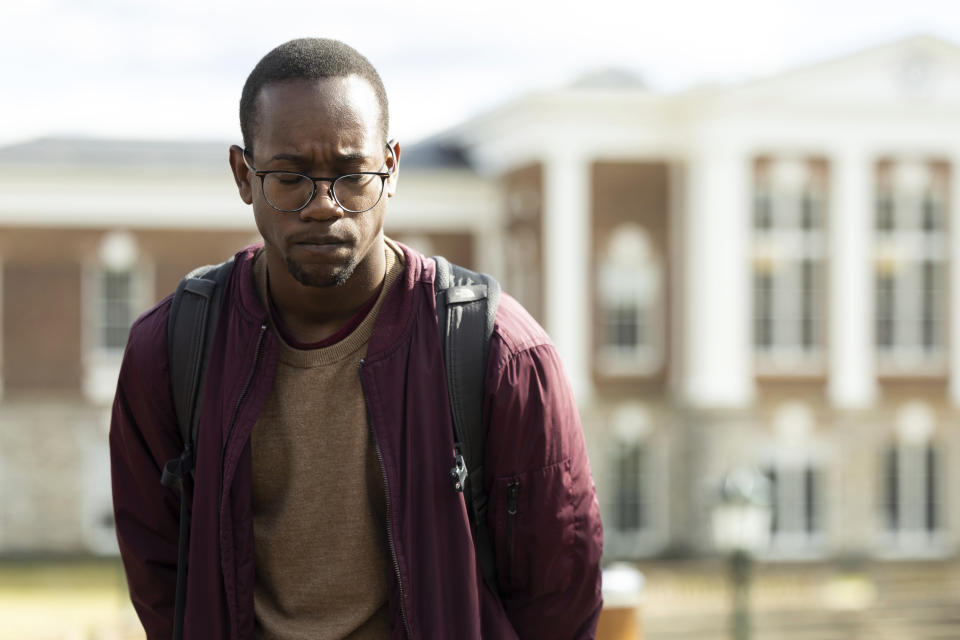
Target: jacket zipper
x=513, y=493
x=236, y=412
x=386, y=493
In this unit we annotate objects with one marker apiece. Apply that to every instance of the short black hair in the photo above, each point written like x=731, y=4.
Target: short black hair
x=307, y=59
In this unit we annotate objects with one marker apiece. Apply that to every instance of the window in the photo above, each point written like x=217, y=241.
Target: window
x=635, y=493
x=630, y=513
x=796, y=484
x=630, y=304
x=911, y=262
x=117, y=291
x=795, y=492
x=913, y=505
x=117, y=308
x=788, y=264
x=911, y=471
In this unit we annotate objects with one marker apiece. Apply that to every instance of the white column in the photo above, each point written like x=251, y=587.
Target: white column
x=566, y=246
x=853, y=381
x=953, y=295
x=718, y=366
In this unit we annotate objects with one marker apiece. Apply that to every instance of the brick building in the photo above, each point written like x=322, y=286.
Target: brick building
x=761, y=274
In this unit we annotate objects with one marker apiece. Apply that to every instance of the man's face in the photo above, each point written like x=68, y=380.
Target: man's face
x=321, y=128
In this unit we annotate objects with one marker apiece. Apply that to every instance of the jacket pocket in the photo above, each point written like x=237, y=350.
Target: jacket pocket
x=534, y=530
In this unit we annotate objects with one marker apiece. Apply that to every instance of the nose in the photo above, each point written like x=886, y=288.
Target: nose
x=322, y=206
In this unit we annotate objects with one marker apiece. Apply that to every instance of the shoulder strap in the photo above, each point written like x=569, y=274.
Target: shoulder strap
x=191, y=325
x=466, y=309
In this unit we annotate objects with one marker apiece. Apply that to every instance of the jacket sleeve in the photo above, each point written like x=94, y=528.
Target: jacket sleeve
x=544, y=516
x=143, y=436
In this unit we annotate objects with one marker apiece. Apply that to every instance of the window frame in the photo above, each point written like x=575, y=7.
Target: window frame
x=789, y=265
x=101, y=363
x=911, y=268
x=647, y=355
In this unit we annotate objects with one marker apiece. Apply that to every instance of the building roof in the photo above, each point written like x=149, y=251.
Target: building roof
x=105, y=152
x=435, y=153
x=115, y=153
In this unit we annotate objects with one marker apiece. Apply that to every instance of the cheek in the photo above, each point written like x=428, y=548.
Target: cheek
x=374, y=223
x=267, y=223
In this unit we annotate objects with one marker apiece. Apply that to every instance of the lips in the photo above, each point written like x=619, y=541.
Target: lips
x=318, y=240
x=318, y=245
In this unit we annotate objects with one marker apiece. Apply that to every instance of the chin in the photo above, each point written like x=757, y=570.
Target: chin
x=316, y=276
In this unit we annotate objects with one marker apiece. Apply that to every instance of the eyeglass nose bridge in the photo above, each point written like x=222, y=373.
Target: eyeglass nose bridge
x=317, y=189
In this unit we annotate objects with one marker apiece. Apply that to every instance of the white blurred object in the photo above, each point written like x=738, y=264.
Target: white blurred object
x=118, y=251
x=622, y=586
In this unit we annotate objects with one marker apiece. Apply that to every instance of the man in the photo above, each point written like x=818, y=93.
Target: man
x=321, y=503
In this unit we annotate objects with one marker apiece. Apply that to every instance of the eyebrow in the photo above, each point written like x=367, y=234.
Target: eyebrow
x=356, y=156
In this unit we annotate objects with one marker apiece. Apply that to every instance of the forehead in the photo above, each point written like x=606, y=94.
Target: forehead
x=300, y=115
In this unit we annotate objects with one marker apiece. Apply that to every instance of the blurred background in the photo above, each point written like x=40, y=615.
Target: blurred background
x=736, y=220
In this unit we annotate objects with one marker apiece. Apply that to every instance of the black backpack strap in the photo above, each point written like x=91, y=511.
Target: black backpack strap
x=191, y=325
x=466, y=309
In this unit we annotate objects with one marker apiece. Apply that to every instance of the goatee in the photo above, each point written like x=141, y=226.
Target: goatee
x=308, y=279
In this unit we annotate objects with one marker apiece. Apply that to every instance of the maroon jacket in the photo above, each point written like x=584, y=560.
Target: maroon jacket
x=547, y=552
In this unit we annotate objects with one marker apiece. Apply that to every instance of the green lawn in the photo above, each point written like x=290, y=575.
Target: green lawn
x=65, y=600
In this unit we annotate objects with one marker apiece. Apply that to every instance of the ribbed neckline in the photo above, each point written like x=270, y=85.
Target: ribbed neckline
x=356, y=340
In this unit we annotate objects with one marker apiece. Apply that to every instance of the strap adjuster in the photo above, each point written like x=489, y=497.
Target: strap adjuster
x=176, y=470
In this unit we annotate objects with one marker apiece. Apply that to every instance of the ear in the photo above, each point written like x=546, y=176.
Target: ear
x=393, y=166
x=241, y=174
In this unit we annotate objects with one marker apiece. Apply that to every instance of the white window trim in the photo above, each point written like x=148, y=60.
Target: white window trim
x=799, y=544
x=792, y=450
x=908, y=541
x=914, y=246
x=780, y=246
x=644, y=359
x=654, y=537
x=915, y=433
x=102, y=365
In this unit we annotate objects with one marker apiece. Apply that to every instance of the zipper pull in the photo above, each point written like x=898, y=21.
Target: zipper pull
x=513, y=492
x=458, y=474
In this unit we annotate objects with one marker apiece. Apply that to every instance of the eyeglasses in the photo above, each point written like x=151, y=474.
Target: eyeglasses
x=290, y=192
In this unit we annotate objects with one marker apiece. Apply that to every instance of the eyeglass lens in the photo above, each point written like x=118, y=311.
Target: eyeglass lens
x=291, y=191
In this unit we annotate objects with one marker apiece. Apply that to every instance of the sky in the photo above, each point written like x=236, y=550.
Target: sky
x=173, y=70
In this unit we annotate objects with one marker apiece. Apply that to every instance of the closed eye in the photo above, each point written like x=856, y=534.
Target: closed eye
x=288, y=178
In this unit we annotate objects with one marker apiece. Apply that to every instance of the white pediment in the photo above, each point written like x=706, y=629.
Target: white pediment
x=921, y=70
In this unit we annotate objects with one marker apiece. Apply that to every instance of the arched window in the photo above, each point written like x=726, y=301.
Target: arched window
x=913, y=505
x=630, y=292
x=118, y=289
x=634, y=496
x=796, y=479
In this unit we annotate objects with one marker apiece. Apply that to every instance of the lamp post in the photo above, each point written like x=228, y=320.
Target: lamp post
x=741, y=528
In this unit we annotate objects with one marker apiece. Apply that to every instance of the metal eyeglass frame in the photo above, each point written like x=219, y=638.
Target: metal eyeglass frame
x=383, y=175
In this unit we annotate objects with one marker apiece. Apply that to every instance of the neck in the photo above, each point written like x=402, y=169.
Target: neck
x=313, y=314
